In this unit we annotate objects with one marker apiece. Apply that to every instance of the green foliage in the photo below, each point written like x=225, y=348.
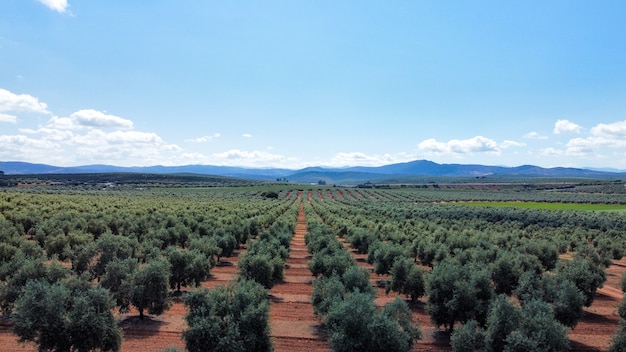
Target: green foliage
x=356, y=278
x=22, y=269
x=150, y=288
x=458, y=293
x=502, y=320
x=207, y=246
x=118, y=280
x=505, y=274
x=329, y=289
x=385, y=255
x=226, y=242
x=326, y=291
x=327, y=262
x=585, y=274
x=76, y=222
x=109, y=247
x=58, y=317
x=260, y=268
x=407, y=279
x=187, y=267
x=538, y=330
x=354, y=325
x=360, y=239
x=468, y=338
x=568, y=304
x=228, y=318
x=618, y=342
x=621, y=309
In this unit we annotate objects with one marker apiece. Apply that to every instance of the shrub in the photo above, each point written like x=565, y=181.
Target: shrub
x=354, y=325
x=407, y=279
x=64, y=317
x=229, y=318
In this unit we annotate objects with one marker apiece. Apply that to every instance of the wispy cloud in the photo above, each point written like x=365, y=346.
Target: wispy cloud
x=363, y=159
x=59, y=6
x=566, y=126
x=534, y=135
x=204, y=139
x=8, y=118
x=247, y=135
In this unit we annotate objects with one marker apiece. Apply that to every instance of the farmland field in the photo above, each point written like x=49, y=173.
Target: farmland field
x=61, y=233
x=551, y=206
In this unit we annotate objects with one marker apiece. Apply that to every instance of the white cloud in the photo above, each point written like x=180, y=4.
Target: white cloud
x=56, y=5
x=51, y=134
x=89, y=119
x=603, y=136
x=247, y=135
x=611, y=130
x=534, y=135
x=93, y=118
x=551, y=152
x=362, y=159
x=257, y=156
x=510, y=144
x=8, y=118
x=21, y=102
x=566, y=126
x=240, y=158
x=204, y=139
x=23, y=148
x=478, y=144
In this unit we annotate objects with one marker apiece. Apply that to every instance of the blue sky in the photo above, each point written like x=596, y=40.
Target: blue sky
x=302, y=83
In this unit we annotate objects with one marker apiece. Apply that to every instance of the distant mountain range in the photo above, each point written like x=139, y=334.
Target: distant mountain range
x=393, y=173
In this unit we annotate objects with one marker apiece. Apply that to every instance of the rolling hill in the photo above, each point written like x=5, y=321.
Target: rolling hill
x=348, y=175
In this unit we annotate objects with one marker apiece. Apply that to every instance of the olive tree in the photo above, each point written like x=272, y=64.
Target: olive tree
x=407, y=279
x=458, y=293
x=538, y=330
x=229, y=318
x=63, y=317
x=587, y=275
x=355, y=325
x=150, y=288
x=187, y=267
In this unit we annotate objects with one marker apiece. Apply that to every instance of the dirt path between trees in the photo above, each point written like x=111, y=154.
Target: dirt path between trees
x=294, y=326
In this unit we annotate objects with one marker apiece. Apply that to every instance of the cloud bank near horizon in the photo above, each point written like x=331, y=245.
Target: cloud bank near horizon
x=90, y=136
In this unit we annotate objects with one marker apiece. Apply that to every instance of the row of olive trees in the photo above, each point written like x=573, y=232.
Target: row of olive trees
x=91, y=266
x=343, y=298
x=477, y=257
x=236, y=317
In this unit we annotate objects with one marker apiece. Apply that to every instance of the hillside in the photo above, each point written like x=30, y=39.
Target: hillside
x=351, y=175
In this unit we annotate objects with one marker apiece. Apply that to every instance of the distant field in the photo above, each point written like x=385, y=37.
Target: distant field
x=551, y=206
